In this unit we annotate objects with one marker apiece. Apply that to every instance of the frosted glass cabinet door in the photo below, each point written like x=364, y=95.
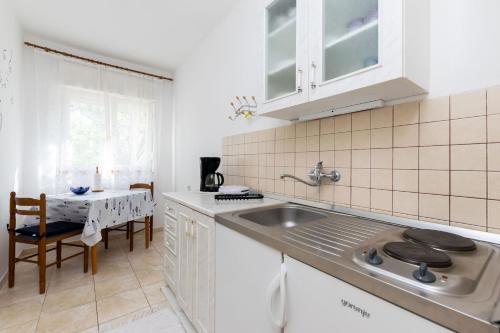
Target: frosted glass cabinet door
x=350, y=41
x=285, y=52
x=353, y=44
x=281, y=48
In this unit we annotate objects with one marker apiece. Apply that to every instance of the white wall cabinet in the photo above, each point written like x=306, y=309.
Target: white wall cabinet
x=195, y=282
x=357, y=52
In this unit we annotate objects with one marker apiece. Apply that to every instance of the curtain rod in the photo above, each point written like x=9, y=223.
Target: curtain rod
x=69, y=55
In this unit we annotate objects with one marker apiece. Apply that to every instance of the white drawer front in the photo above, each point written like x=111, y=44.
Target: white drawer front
x=170, y=225
x=170, y=255
x=171, y=209
x=170, y=243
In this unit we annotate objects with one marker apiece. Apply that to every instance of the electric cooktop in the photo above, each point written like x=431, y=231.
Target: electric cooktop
x=439, y=261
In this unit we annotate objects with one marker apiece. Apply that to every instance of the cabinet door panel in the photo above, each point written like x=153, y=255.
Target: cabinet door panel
x=350, y=40
x=354, y=44
x=185, y=258
x=244, y=271
x=286, y=54
x=318, y=302
x=204, y=273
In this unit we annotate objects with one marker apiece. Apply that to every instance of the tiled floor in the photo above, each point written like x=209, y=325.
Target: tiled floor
x=126, y=287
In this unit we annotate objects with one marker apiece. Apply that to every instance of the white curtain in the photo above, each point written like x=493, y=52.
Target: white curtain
x=79, y=116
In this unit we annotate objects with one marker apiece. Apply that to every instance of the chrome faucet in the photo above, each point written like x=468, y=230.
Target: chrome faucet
x=316, y=175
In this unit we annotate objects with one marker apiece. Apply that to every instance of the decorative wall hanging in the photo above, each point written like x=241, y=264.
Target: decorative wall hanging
x=242, y=107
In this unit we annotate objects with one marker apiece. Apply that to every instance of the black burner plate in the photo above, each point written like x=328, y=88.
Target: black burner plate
x=417, y=254
x=440, y=240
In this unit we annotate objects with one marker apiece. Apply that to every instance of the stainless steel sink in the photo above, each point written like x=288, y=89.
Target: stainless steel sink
x=286, y=217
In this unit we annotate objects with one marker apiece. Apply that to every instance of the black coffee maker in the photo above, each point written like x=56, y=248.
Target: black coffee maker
x=210, y=179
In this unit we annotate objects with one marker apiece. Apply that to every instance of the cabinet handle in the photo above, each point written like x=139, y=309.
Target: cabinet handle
x=299, y=80
x=313, y=76
x=192, y=229
x=283, y=294
x=278, y=286
x=186, y=228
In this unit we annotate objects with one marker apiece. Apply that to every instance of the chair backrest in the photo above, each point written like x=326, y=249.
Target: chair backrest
x=144, y=186
x=28, y=202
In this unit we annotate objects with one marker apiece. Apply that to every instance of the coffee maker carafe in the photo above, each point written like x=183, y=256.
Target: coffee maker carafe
x=210, y=180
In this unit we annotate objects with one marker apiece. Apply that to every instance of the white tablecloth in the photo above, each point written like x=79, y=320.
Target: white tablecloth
x=99, y=210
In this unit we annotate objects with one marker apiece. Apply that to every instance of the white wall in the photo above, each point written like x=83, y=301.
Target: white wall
x=228, y=63
x=10, y=134
x=465, y=55
x=465, y=45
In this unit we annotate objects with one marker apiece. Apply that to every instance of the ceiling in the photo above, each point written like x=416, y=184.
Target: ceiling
x=156, y=33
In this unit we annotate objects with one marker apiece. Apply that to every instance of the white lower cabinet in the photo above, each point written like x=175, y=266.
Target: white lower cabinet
x=254, y=281
x=186, y=261
x=189, y=263
x=244, y=270
x=195, y=280
x=318, y=302
x=170, y=245
x=204, y=273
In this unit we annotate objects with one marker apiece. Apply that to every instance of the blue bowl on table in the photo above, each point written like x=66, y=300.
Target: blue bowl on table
x=79, y=190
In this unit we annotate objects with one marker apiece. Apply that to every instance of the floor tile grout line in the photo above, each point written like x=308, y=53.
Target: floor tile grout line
x=51, y=274
x=137, y=277
x=41, y=308
x=95, y=298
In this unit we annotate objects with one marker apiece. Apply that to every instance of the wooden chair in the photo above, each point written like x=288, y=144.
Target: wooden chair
x=149, y=230
x=41, y=235
x=129, y=226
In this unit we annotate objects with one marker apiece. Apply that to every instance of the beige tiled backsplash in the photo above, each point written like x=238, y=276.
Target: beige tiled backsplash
x=437, y=160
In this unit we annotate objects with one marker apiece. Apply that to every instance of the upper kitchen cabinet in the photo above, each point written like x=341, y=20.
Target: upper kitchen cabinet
x=286, y=56
x=361, y=54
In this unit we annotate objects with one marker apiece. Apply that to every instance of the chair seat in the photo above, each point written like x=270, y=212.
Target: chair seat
x=52, y=229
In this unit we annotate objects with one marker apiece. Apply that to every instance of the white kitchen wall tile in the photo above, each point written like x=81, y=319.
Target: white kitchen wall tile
x=468, y=130
x=406, y=158
x=435, y=133
x=361, y=120
x=407, y=113
x=434, y=182
x=468, y=104
x=468, y=157
x=435, y=109
x=468, y=210
x=382, y=117
x=493, y=100
x=343, y=123
x=468, y=184
x=405, y=202
x=434, y=157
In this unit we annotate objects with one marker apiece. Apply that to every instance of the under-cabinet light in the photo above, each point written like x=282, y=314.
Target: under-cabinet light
x=346, y=109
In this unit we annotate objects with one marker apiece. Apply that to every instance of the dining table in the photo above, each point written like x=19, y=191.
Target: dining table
x=101, y=210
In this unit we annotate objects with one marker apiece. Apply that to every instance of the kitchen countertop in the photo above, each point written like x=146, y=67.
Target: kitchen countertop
x=205, y=203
